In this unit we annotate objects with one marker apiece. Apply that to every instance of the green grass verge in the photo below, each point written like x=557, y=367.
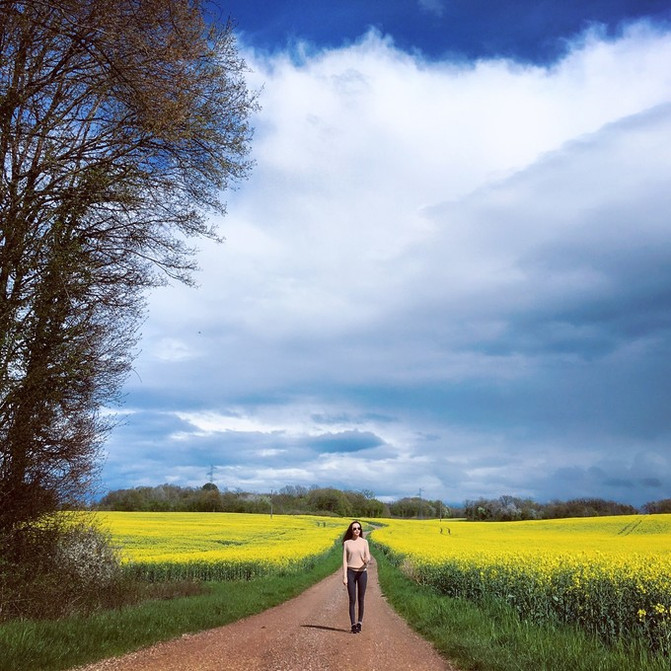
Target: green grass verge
x=62, y=644
x=491, y=637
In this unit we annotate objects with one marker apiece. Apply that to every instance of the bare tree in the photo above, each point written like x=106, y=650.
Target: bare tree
x=121, y=123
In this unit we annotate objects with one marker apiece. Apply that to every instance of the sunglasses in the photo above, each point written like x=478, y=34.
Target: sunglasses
x=356, y=528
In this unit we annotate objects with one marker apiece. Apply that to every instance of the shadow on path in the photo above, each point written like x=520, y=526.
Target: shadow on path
x=319, y=626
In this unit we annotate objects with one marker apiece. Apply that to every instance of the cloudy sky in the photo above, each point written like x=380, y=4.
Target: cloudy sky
x=450, y=270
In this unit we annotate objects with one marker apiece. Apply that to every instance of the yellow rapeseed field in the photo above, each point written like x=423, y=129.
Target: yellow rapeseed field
x=610, y=575
x=218, y=546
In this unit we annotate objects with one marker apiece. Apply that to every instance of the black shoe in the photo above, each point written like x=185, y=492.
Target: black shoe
x=355, y=629
x=358, y=628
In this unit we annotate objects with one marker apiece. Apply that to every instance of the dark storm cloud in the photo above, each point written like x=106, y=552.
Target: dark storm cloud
x=346, y=441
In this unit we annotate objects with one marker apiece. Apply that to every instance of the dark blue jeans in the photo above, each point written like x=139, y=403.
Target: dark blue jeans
x=356, y=582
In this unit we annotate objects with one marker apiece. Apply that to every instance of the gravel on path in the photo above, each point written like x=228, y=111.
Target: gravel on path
x=308, y=633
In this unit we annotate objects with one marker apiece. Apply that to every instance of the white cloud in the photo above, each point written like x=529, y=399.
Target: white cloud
x=418, y=238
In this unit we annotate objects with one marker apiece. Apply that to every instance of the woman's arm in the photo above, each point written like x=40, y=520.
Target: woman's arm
x=344, y=563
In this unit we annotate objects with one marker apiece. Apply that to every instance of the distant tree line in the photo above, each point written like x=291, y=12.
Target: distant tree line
x=299, y=500
x=657, y=507
x=511, y=508
x=292, y=500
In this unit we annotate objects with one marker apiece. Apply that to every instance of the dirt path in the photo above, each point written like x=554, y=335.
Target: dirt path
x=308, y=633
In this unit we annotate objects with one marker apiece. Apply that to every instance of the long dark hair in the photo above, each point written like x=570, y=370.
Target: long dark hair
x=349, y=534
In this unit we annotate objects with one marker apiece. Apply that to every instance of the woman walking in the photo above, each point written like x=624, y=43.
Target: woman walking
x=355, y=559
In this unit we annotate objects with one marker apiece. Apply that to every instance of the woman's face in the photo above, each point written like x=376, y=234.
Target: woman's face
x=356, y=530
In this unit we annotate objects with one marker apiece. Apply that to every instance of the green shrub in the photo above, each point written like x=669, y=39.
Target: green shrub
x=58, y=568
